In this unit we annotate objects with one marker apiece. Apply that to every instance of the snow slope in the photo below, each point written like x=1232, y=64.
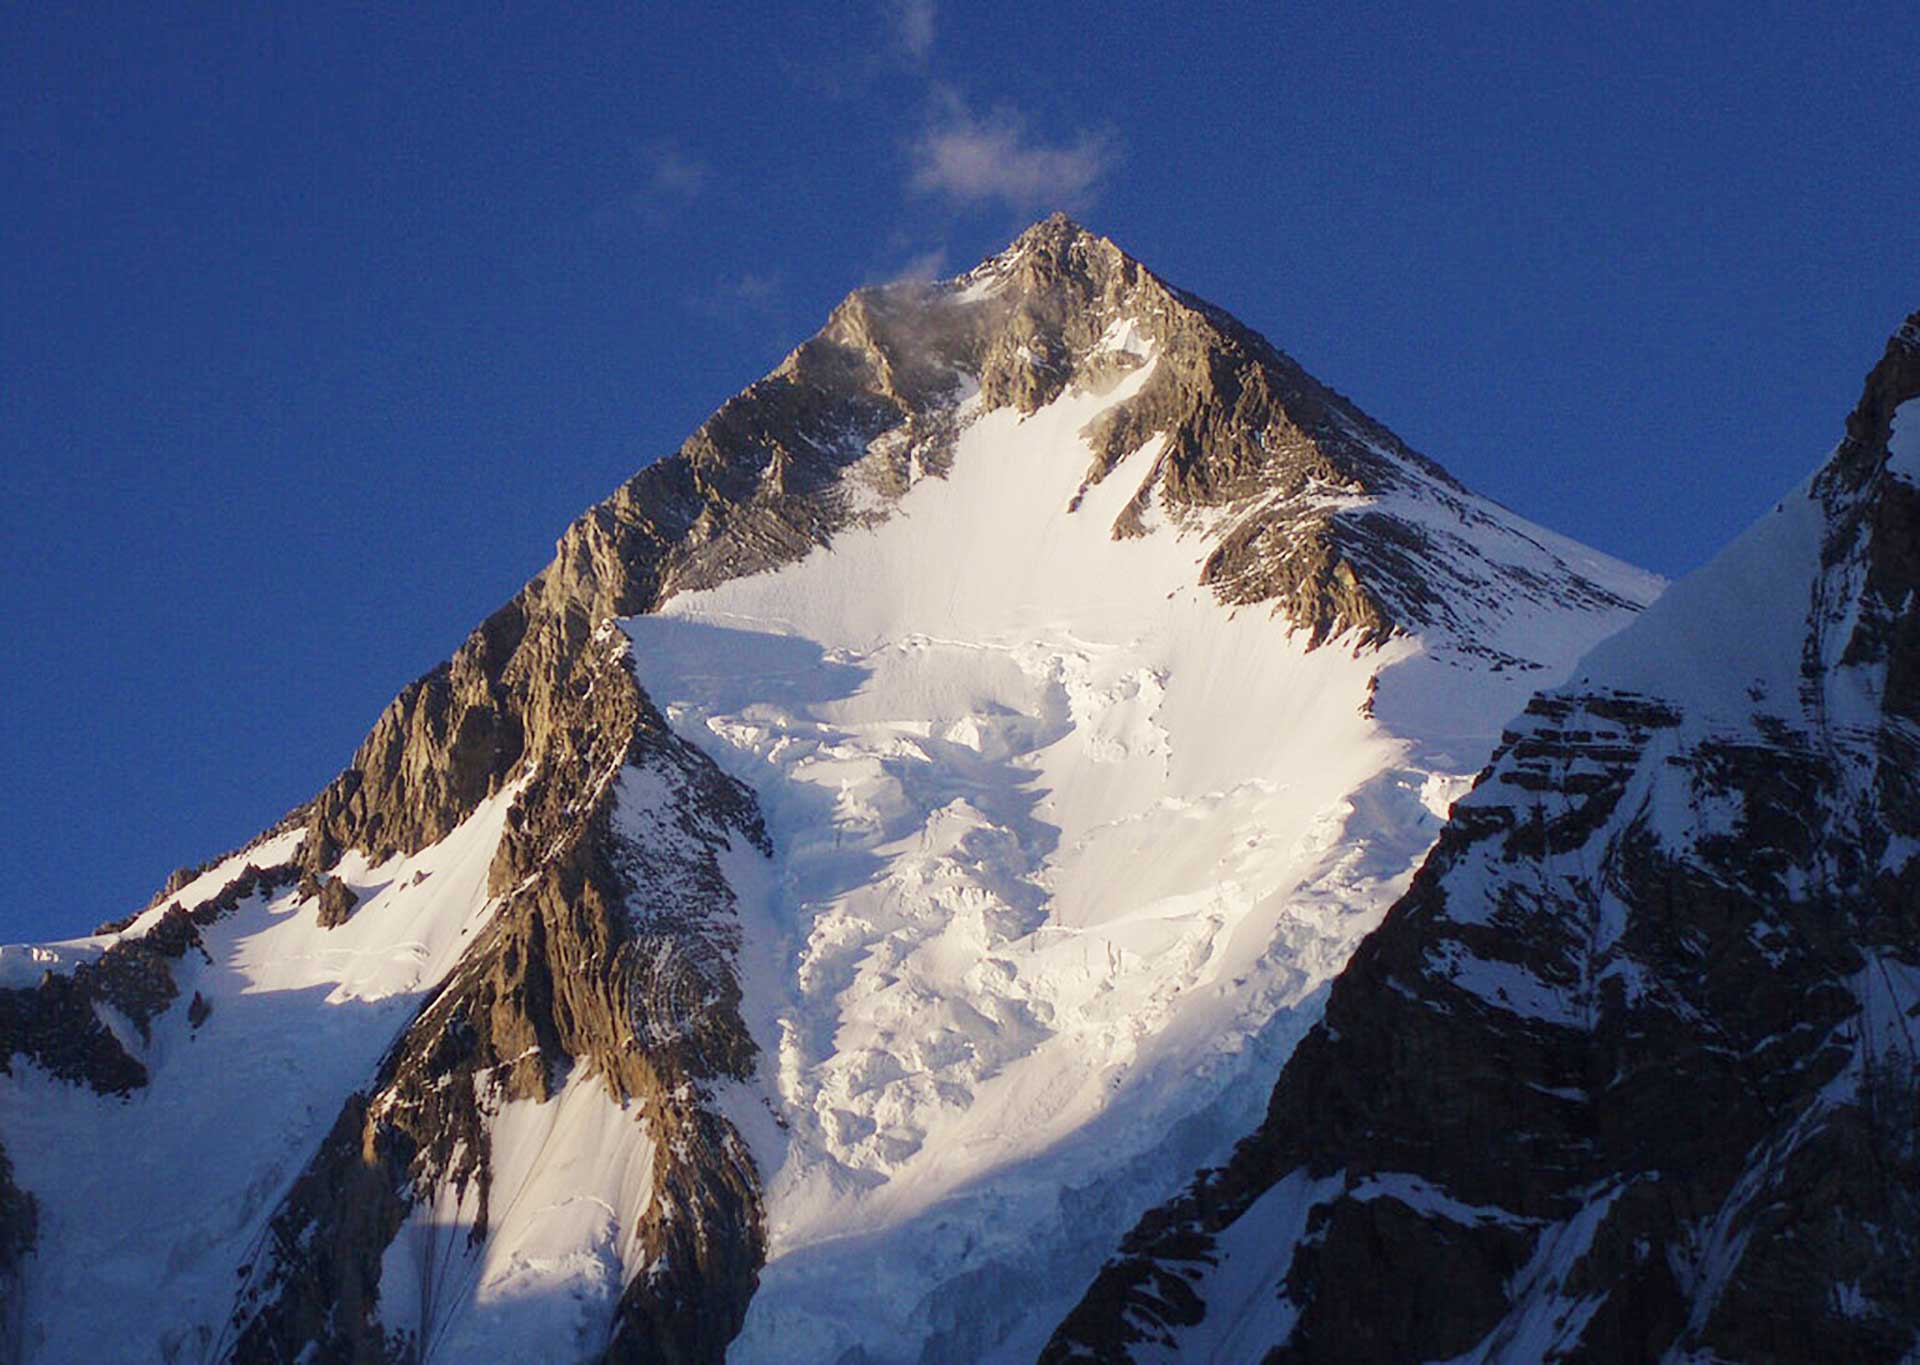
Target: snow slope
x=542, y=1284
x=148, y=1203
x=1066, y=851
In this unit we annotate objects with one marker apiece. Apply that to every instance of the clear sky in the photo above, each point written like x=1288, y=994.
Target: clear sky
x=318, y=325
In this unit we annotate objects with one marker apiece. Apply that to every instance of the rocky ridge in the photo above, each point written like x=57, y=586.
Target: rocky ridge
x=1630, y=1071
x=611, y=953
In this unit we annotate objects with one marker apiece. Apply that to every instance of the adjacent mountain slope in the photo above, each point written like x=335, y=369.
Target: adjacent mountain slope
x=1630, y=1072
x=942, y=781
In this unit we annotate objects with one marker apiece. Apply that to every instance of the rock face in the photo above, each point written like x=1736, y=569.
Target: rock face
x=599, y=963
x=337, y=900
x=1630, y=1072
x=612, y=953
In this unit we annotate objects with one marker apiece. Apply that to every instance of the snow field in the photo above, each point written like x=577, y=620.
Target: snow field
x=1065, y=852
x=568, y=1176
x=153, y=1230
x=1066, y=855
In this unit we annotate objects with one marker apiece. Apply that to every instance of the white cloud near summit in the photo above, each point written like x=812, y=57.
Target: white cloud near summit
x=672, y=175
x=994, y=158
x=926, y=265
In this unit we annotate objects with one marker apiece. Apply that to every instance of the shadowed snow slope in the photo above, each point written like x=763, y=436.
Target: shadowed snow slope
x=147, y=1203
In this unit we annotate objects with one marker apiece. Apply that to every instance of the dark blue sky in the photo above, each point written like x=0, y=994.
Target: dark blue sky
x=316, y=329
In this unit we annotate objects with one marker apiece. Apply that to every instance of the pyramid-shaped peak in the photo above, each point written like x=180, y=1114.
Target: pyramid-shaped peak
x=1055, y=249
x=1054, y=231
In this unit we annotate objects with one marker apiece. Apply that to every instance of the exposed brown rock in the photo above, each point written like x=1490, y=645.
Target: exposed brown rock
x=610, y=955
x=337, y=901
x=176, y=879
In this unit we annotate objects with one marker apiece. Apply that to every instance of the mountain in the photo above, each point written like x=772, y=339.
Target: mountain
x=1629, y=1073
x=880, y=856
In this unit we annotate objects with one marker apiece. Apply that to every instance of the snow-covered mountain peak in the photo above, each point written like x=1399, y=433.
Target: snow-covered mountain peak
x=1072, y=813
x=1300, y=501
x=854, y=877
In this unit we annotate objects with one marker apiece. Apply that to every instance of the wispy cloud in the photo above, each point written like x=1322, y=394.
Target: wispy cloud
x=978, y=159
x=926, y=265
x=752, y=294
x=754, y=288
x=673, y=179
x=912, y=23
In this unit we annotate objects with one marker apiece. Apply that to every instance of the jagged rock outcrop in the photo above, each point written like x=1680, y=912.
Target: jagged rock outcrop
x=611, y=953
x=1630, y=1072
x=335, y=899
x=58, y=1023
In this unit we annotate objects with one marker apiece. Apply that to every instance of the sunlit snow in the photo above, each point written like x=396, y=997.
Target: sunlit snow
x=1066, y=851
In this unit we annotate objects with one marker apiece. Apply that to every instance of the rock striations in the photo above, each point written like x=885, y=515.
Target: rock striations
x=1630, y=1072
x=522, y=913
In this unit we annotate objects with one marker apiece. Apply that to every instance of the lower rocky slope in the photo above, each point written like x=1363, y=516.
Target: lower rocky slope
x=1630, y=1072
